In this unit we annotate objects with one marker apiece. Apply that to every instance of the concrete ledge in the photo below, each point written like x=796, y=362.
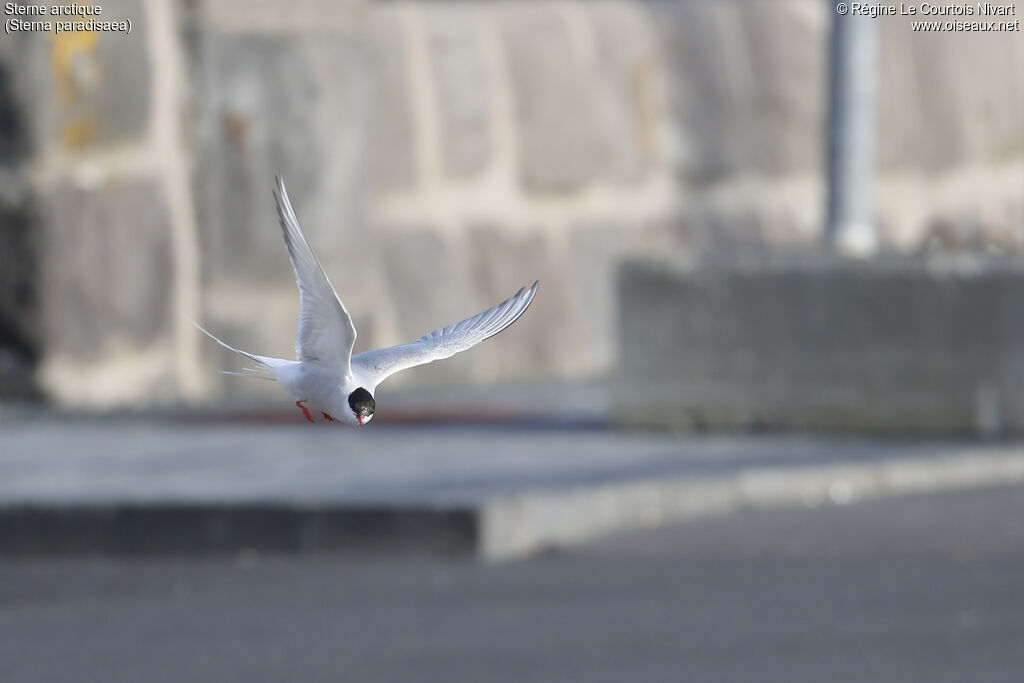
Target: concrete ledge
x=494, y=492
x=499, y=528
x=894, y=345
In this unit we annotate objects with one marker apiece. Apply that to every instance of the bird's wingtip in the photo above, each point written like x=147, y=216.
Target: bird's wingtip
x=280, y=192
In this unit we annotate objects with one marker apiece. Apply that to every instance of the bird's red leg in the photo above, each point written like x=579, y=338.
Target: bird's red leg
x=305, y=410
x=328, y=417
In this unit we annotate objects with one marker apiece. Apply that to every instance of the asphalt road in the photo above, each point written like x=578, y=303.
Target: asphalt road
x=915, y=589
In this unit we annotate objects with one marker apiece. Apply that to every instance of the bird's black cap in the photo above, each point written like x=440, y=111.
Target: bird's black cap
x=362, y=402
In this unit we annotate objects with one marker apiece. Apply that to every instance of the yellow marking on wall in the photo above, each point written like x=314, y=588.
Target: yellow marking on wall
x=75, y=69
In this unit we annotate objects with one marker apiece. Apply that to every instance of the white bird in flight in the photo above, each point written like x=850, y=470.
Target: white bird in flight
x=326, y=379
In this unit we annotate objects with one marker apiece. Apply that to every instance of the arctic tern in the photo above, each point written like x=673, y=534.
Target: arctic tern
x=326, y=379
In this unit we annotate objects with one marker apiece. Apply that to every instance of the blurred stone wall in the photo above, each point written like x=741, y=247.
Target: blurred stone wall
x=440, y=155
x=111, y=246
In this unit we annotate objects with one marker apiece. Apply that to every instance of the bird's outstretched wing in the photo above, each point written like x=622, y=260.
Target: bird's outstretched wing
x=379, y=364
x=326, y=333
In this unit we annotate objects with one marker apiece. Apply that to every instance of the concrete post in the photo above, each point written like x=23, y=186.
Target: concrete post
x=853, y=76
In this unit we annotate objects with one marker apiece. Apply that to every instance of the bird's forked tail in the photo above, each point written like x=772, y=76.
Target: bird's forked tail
x=264, y=365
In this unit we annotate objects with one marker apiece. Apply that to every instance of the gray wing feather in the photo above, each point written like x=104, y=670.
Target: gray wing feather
x=326, y=333
x=446, y=341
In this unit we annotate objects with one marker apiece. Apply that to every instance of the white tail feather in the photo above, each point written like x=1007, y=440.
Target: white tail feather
x=264, y=369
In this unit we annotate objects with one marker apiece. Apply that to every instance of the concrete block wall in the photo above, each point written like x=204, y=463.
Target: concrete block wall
x=441, y=154
x=900, y=346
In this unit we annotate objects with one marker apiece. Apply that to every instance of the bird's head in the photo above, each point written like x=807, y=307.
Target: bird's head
x=362, y=404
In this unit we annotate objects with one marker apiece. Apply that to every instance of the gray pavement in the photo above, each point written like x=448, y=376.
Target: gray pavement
x=494, y=489
x=920, y=588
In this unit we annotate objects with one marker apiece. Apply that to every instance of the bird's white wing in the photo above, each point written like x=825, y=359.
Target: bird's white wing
x=326, y=333
x=379, y=364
